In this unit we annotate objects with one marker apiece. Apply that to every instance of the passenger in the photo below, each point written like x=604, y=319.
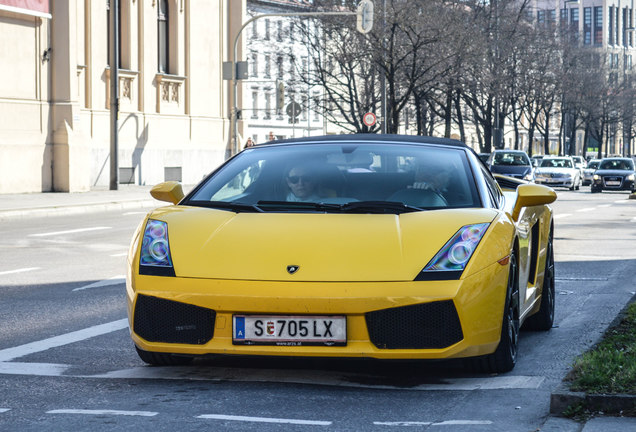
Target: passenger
x=301, y=181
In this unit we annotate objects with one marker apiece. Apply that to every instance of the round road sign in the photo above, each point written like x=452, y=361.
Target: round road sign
x=369, y=119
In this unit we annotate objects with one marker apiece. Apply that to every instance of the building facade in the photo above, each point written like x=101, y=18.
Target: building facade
x=55, y=95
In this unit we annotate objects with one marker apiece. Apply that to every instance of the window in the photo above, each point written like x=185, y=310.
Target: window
x=610, y=27
x=267, y=65
x=279, y=31
x=266, y=36
x=268, y=105
x=163, y=35
x=255, y=65
x=541, y=17
x=551, y=17
x=587, y=26
x=305, y=106
x=574, y=23
x=254, y=104
x=279, y=65
x=598, y=25
x=625, y=25
x=563, y=17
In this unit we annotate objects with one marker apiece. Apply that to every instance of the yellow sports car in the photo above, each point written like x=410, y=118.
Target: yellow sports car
x=379, y=246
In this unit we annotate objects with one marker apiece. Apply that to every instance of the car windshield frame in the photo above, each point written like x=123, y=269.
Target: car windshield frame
x=350, y=177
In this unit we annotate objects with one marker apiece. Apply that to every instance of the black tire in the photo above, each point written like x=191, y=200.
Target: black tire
x=505, y=356
x=162, y=359
x=544, y=318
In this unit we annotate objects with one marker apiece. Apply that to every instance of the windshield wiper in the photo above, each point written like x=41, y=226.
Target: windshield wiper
x=225, y=205
x=299, y=205
x=379, y=207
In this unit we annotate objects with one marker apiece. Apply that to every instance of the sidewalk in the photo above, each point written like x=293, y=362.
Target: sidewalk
x=62, y=203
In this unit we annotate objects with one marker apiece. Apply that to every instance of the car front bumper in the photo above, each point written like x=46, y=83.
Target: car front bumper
x=478, y=301
x=601, y=184
x=555, y=182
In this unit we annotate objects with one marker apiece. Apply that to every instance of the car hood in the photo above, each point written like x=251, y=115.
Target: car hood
x=518, y=170
x=216, y=244
x=621, y=173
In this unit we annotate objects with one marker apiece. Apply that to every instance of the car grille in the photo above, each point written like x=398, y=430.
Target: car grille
x=612, y=181
x=421, y=326
x=161, y=320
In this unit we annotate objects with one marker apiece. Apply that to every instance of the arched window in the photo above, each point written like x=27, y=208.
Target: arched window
x=162, y=35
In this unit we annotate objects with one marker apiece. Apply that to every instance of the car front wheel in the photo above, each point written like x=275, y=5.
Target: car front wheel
x=544, y=318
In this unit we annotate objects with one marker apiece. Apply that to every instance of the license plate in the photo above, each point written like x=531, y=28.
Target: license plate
x=288, y=330
x=613, y=183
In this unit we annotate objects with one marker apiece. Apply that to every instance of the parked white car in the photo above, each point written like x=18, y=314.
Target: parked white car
x=558, y=171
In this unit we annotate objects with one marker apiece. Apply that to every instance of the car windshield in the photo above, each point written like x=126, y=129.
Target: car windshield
x=511, y=158
x=556, y=163
x=593, y=164
x=344, y=177
x=617, y=164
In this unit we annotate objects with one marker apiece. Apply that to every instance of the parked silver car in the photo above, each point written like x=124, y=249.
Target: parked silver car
x=558, y=171
x=588, y=171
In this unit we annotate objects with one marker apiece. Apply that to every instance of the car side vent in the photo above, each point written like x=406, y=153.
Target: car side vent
x=420, y=326
x=161, y=320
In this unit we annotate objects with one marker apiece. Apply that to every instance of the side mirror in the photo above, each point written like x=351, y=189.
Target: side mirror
x=529, y=195
x=170, y=191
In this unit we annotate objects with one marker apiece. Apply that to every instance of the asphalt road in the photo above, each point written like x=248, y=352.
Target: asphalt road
x=67, y=362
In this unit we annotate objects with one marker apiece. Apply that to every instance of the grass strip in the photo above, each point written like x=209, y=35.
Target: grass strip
x=610, y=367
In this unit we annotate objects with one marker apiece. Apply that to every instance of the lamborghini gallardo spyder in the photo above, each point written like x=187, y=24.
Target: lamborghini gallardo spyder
x=370, y=246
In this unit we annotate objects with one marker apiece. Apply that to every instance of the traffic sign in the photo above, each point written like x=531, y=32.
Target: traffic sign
x=369, y=119
x=293, y=109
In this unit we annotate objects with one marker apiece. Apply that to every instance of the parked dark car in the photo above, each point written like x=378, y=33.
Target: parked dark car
x=511, y=163
x=614, y=174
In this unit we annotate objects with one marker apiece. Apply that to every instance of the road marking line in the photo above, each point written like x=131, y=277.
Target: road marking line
x=120, y=254
x=562, y=215
x=38, y=369
x=264, y=419
x=69, y=231
x=586, y=209
x=442, y=423
x=22, y=270
x=65, y=339
x=116, y=280
x=2, y=410
x=621, y=202
x=604, y=205
x=135, y=213
x=580, y=279
x=103, y=412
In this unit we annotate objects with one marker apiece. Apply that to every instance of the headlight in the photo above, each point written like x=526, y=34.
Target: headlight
x=154, y=258
x=597, y=177
x=528, y=177
x=630, y=177
x=450, y=261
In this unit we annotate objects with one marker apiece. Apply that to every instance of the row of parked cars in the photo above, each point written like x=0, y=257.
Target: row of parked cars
x=572, y=172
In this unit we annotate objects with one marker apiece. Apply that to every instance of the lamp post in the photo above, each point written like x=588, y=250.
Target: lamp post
x=564, y=116
x=364, y=13
x=627, y=92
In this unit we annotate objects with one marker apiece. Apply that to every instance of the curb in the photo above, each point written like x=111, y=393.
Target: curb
x=562, y=398
x=77, y=209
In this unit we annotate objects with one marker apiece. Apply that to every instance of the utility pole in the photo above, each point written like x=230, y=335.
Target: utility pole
x=383, y=77
x=114, y=93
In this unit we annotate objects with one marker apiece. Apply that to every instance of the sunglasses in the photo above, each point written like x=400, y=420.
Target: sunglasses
x=296, y=179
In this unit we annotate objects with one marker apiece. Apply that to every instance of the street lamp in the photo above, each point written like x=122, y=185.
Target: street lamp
x=364, y=23
x=564, y=117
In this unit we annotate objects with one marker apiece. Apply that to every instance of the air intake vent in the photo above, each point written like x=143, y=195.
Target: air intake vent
x=161, y=320
x=421, y=326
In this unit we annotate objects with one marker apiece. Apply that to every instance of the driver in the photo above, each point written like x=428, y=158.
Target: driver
x=301, y=181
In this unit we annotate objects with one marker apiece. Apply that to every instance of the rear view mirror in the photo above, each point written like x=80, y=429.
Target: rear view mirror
x=529, y=195
x=170, y=191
